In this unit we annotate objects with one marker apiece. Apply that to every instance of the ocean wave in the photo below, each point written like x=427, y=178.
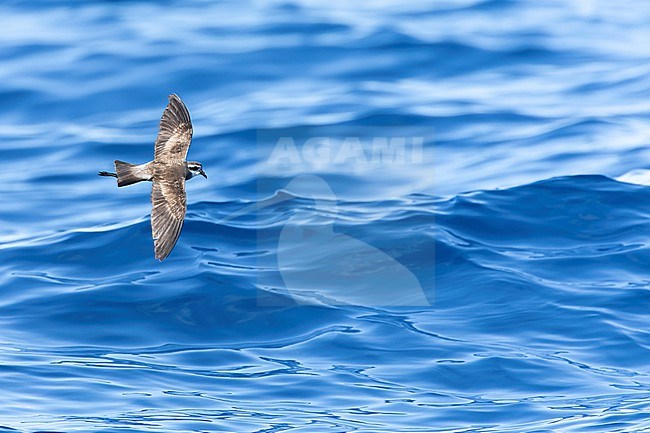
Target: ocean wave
x=497, y=283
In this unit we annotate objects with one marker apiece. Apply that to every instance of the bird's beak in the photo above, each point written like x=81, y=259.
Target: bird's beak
x=203, y=174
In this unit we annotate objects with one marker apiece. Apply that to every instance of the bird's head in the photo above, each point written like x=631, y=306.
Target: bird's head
x=194, y=169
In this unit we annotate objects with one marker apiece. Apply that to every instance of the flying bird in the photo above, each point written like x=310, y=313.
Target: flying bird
x=168, y=172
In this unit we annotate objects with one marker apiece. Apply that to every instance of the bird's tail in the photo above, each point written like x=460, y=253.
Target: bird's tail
x=128, y=174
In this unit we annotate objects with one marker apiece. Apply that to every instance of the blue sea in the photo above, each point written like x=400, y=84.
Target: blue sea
x=420, y=216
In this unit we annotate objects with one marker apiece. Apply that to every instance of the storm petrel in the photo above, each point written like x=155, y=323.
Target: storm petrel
x=168, y=172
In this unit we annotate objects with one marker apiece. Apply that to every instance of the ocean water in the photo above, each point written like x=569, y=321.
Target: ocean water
x=420, y=216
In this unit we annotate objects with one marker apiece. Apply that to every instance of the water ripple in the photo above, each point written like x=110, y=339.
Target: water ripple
x=499, y=283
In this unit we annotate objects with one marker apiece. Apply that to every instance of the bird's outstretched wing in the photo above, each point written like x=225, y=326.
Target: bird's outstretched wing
x=175, y=133
x=168, y=213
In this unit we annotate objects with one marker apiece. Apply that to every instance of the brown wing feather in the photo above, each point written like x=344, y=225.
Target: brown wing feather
x=175, y=133
x=168, y=212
